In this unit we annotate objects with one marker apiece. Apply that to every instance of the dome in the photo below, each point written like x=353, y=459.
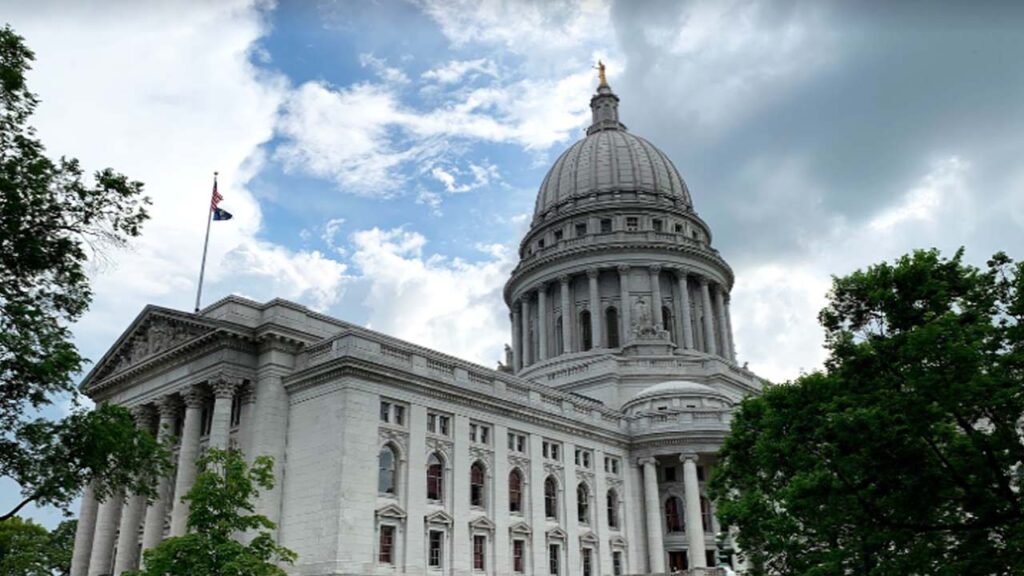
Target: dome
x=678, y=387
x=609, y=159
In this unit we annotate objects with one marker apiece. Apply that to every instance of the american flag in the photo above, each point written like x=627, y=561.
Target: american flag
x=216, y=198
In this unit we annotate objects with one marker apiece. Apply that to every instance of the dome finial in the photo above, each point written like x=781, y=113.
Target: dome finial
x=600, y=75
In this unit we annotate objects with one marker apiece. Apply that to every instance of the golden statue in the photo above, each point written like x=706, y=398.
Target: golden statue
x=600, y=73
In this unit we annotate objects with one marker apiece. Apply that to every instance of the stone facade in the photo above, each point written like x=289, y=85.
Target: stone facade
x=584, y=454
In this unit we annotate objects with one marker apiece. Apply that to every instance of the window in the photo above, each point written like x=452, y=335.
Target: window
x=435, y=478
x=700, y=473
x=559, y=341
x=438, y=423
x=386, y=470
x=385, y=411
x=480, y=433
x=207, y=419
x=550, y=497
x=581, y=229
x=479, y=546
x=657, y=225
x=386, y=554
x=613, y=509
x=705, y=513
x=554, y=557
x=667, y=323
x=399, y=414
x=632, y=223
x=236, y=410
x=694, y=235
x=674, y=514
x=606, y=225
x=586, y=335
x=518, y=556
x=583, y=504
x=540, y=243
x=611, y=465
x=436, y=540
x=611, y=324
x=669, y=471
x=679, y=228
x=515, y=491
x=588, y=563
x=558, y=235
x=552, y=450
x=617, y=563
x=583, y=457
x=517, y=442
x=476, y=484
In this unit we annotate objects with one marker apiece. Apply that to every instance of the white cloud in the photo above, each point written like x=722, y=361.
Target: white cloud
x=455, y=70
x=382, y=70
x=923, y=203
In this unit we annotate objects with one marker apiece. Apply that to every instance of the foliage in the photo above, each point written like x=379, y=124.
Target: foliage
x=905, y=455
x=52, y=220
x=220, y=507
x=27, y=549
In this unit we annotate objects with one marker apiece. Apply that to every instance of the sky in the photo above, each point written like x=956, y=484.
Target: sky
x=381, y=159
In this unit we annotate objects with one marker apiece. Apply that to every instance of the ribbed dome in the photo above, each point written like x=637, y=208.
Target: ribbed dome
x=609, y=159
x=678, y=387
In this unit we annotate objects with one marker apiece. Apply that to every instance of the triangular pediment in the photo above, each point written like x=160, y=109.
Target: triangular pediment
x=556, y=533
x=588, y=537
x=617, y=542
x=155, y=332
x=481, y=523
x=439, y=517
x=391, y=511
x=520, y=528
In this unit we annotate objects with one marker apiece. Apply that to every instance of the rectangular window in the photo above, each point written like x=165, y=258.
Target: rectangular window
x=551, y=450
x=517, y=442
x=540, y=243
x=236, y=410
x=558, y=235
x=617, y=563
x=554, y=559
x=479, y=548
x=480, y=433
x=472, y=432
x=670, y=473
x=700, y=473
x=436, y=540
x=632, y=223
x=581, y=229
x=438, y=424
x=679, y=228
x=606, y=225
x=656, y=224
x=588, y=568
x=518, y=556
x=399, y=413
x=432, y=423
x=387, y=545
x=385, y=411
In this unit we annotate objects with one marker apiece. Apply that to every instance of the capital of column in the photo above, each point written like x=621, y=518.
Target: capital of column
x=224, y=386
x=685, y=457
x=703, y=280
x=623, y=268
x=682, y=272
x=168, y=407
x=655, y=268
x=194, y=396
x=592, y=272
x=143, y=416
x=648, y=460
x=540, y=287
x=564, y=279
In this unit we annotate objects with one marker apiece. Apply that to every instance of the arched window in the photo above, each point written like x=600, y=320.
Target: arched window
x=435, y=477
x=386, y=465
x=667, y=323
x=705, y=513
x=583, y=504
x=476, y=484
x=515, y=491
x=613, y=509
x=551, y=498
x=586, y=336
x=674, y=514
x=611, y=325
x=559, y=341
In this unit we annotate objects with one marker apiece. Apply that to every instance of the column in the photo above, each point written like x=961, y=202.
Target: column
x=131, y=516
x=626, y=304
x=652, y=507
x=684, y=309
x=632, y=510
x=462, y=548
x=538, y=563
x=270, y=420
x=415, y=481
x=153, y=527
x=245, y=427
x=596, y=317
x=525, y=332
x=659, y=320
x=709, y=323
x=722, y=331
x=187, y=453
x=542, y=322
x=600, y=516
x=517, y=338
x=570, y=522
x=568, y=316
x=500, y=513
x=84, y=532
x=694, y=527
x=100, y=558
x=728, y=329
x=220, y=429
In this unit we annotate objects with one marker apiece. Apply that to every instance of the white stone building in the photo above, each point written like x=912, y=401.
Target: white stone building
x=584, y=455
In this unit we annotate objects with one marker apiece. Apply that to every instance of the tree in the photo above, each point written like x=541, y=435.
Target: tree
x=221, y=506
x=27, y=549
x=52, y=220
x=62, y=546
x=904, y=456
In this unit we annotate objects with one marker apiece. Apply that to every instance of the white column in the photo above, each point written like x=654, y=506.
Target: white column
x=652, y=508
x=542, y=322
x=570, y=523
x=415, y=482
x=525, y=331
x=245, y=427
x=538, y=520
x=517, y=338
x=568, y=316
x=270, y=420
x=153, y=527
x=626, y=304
x=131, y=516
x=500, y=513
x=723, y=331
x=600, y=515
x=728, y=329
x=596, y=317
x=694, y=527
x=461, y=539
x=709, y=328
x=84, y=532
x=633, y=506
x=103, y=539
x=659, y=319
x=220, y=428
x=187, y=453
x=684, y=309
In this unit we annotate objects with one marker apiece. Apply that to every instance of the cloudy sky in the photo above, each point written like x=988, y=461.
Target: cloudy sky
x=381, y=158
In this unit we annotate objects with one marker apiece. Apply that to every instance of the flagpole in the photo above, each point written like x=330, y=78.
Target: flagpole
x=206, y=244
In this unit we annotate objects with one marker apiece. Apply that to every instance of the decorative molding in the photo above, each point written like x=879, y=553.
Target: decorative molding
x=481, y=523
x=482, y=454
x=194, y=396
x=153, y=337
x=391, y=511
x=520, y=528
x=556, y=533
x=438, y=517
x=521, y=462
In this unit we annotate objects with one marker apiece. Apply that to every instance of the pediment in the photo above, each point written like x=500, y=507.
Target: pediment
x=481, y=523
x=556, y=533
x=439, y=517
x=154, y=332
x=520, y=528
x=588, y=537
x=391, y=511
x=617, y=542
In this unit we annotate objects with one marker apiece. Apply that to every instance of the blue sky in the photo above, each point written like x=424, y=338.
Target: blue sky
x=381, y=158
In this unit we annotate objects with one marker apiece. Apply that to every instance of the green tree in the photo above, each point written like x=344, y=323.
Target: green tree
x=220, y=507
x=52, y=220
x=904, y=456
x=62, y=546
x=27, y=549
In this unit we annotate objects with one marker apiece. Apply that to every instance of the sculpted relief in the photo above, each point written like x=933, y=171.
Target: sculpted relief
x=161, y=334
